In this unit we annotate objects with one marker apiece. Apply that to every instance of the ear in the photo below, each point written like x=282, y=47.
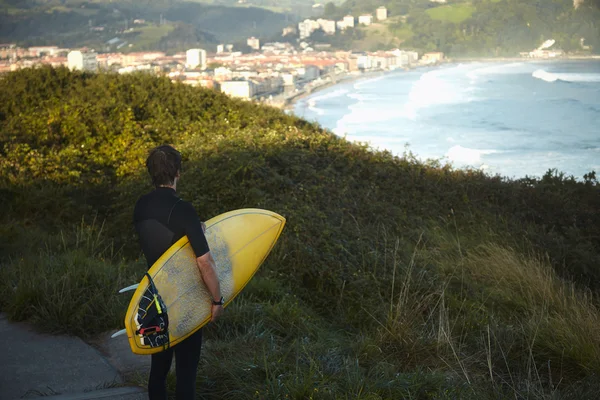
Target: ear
x=178, y=174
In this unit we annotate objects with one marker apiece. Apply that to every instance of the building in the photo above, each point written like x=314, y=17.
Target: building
x=220, y=48
x=82, y=60
x=349, y=21
x=195, y=58
x=327, y=26
x=309, y=72
x=307, y=27
x=365, y=20
x=40, y=51
x=240, y=89
x=253, y=43
x=290, y=30
x=8, y=50
x=382, y=14
x=365, y=62
x=432, y=58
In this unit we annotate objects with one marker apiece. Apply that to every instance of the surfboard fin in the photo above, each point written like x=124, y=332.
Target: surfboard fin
x=128, y=288
x=119, y=333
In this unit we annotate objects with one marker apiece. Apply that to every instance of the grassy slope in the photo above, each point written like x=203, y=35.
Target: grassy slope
x=392, y=279
x=149, y=35
x=455, y=13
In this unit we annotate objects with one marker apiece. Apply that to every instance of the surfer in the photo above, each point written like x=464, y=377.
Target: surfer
x=161, y=218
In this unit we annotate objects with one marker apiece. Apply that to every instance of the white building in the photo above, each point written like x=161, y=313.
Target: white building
x=220, y=49
x=405, y=58
x=289, y=79
x=223, y=74
x=365, y=62
x=349, y=21
x=432, y=57
x=307, y=27
x=328, y=26
x=195, y=58
x=365, y=20
x=82, y=60
x=253, y=43
x=382, y=14
x=240, y=89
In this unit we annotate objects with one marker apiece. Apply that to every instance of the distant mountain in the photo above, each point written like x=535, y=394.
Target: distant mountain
x=167, y=26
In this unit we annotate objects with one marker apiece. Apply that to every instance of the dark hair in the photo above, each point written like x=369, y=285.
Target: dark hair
x=163, y=163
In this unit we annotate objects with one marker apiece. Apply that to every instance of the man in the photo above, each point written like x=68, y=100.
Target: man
x=161, y=218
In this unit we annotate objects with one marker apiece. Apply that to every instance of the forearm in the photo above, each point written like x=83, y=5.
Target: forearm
x=208, y=269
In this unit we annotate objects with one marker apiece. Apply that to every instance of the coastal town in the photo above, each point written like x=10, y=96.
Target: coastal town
x=274, y=73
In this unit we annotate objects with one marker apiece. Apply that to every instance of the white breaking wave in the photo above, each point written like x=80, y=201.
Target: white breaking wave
x=500, y=69
x=313, y=101
x=332, y=95
x=316, y=110
x=543, y=75
x=565, y=77
x=434, y=88
x=364, y=82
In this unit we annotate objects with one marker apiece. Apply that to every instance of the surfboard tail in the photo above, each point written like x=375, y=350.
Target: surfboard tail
x=128, y=288
x=118, y=333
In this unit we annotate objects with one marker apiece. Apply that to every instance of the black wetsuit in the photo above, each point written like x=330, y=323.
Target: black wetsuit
x=161, y=218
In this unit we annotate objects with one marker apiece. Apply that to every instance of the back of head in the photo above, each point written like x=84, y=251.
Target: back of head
x=163, y=163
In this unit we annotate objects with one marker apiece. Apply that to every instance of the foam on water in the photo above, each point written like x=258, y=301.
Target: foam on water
x=313, y=101
x=436, y=87
x=367, y=82
x=565, y=77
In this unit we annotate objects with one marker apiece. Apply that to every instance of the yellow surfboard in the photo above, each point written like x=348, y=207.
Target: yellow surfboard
x=239, y=241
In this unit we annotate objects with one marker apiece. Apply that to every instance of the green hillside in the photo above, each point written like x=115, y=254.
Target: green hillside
x=170, y=26
x=392, y=279
x=455, y=13
x=485, y=27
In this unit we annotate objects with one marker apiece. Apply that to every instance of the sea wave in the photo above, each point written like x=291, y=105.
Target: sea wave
x=501, y=69
x=364, y=82
x=435, y=88
x=566, y=77
x=313, y=101
x=332, y=95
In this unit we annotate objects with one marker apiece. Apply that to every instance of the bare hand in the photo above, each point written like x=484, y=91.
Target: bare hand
x=216, y=312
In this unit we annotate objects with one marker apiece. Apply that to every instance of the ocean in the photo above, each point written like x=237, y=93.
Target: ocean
x=513, y=119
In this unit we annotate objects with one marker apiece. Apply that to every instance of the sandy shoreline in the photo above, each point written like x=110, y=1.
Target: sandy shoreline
x=346, y=78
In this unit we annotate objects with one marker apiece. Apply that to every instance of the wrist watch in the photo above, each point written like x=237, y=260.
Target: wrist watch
x=219, y=303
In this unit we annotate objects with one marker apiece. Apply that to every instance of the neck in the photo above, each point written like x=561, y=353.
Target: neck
x=174, y=186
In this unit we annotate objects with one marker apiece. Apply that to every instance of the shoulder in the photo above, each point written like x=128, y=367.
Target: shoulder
x=185, y=207
x=141, y=205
